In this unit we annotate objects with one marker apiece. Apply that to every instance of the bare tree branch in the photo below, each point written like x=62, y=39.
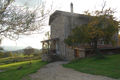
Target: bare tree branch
x=19, y=20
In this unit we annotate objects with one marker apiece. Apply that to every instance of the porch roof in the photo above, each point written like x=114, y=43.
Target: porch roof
x=53, y=39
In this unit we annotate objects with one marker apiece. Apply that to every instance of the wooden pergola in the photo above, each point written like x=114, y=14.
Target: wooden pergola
x=49, y=45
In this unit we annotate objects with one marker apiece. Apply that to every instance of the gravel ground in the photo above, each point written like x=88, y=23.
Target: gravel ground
x=55, y=71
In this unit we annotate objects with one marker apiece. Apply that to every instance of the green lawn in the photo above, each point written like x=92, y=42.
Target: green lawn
x=12, y=73
x=108, y=67
x=10, y=60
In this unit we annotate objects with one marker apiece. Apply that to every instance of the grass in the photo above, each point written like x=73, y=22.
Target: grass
x=12, y=73
x=10, y=60
x=107, y=67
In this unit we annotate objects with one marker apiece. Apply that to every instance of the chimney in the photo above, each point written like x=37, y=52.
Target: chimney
x=71, y=6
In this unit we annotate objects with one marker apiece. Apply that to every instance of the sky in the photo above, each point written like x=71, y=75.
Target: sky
x=64, y=5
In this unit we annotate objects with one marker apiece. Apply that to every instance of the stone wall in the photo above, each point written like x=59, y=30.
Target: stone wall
x=57, y=31
x=71, y=22
x=61, y=28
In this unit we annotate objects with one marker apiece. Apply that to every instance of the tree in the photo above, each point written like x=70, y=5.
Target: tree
x=101, y=25
x=1, y=55
x=119, y=39
x=47, y=35
x=29, y=51
x=17, y=20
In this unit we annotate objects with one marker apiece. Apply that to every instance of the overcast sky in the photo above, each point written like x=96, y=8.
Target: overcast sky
x=79, y=7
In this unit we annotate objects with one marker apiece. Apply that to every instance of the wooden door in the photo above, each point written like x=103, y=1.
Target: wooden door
x=76, y=53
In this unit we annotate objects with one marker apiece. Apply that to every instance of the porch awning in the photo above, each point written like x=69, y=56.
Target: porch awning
x=53, y=39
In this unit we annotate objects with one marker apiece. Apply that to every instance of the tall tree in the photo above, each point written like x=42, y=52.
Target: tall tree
x=17, y=20
x=101, y=26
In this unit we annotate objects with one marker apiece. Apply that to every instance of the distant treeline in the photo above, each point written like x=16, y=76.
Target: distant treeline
x=21, y=53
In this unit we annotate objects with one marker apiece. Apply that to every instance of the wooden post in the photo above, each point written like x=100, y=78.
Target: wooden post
x=43, y=47
x=48, y=46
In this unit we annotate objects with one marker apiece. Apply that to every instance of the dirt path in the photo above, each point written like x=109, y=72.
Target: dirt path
x=55, y=71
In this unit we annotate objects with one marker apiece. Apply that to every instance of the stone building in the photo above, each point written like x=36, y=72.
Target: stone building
x=61, y=24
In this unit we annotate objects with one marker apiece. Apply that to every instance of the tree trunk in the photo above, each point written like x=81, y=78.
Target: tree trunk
x=95, y=45
x=96, y=50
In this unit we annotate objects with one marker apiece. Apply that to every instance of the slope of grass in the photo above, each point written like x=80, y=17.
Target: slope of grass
x=9, y=60
x=12, y=73
x=107, y=67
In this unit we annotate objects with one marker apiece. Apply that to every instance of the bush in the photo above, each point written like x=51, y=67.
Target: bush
x=99, y=55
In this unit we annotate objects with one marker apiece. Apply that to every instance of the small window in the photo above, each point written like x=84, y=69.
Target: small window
x=101, y=42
